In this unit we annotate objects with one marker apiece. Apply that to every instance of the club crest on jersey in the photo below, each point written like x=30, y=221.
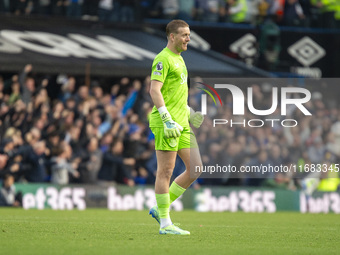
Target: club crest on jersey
x=159, y=66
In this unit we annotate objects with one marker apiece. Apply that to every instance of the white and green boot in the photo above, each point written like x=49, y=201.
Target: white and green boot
x=173, y=230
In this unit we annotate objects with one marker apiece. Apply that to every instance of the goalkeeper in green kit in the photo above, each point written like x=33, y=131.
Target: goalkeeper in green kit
x=169, y=121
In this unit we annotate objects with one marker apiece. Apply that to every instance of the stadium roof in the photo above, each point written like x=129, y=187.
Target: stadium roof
x=70, y=46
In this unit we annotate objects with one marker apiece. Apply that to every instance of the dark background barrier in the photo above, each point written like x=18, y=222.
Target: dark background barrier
x=56, y=45
x=222, y=36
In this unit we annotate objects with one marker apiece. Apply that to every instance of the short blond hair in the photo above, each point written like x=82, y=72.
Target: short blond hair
x=173, y=26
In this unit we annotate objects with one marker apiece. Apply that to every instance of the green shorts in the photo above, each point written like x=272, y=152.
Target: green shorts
x=186, y=140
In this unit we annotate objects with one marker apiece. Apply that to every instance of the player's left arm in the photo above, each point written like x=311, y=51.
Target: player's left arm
x=195, y=118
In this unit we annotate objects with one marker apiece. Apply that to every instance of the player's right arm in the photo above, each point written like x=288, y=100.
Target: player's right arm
x=171, y=128
x=156, y=94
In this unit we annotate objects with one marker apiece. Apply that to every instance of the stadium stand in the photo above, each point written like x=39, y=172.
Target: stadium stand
x=62, y=129
x=80, y=134
x=303, y=13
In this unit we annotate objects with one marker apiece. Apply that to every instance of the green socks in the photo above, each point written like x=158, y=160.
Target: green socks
x=164, y=200
x=163, y=203
x=175, y=191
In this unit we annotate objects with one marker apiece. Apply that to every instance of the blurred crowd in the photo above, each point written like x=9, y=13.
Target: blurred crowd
x=304, y=13
x=61, y=131
x=315, y=140
x=75, y=133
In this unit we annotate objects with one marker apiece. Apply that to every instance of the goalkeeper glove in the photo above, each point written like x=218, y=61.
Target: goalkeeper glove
x=195, y=118
x=171, y=128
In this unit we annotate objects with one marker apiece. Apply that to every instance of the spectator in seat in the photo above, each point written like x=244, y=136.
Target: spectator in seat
x=170, y=9
x=92, y=163
x=8, y=195
x=62, y=167
x=256, y=179
x=19, y=7
x=113, y=167
x=74, y=8
x=36, y=159
x=7, y=145
x=293, y=14
x=254, y=10
x=83, y=94
x=3, y=164
x=4, y=6
x=59, y=7
x=237, y=11
x=90, y=9
x=43, y=7
x=210, y=10
x=105, y=10
x=15, y=95
x=328, y=10
x=27, y=84
x=186, y=9
x=127, y=10
x=68, y=88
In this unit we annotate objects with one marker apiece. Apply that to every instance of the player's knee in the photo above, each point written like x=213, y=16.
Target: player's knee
x=195, y=169
x=165, y=173
x=192, y=175
x=195, y=172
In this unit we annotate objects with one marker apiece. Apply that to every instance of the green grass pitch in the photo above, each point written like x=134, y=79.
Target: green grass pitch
x=134, y=232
